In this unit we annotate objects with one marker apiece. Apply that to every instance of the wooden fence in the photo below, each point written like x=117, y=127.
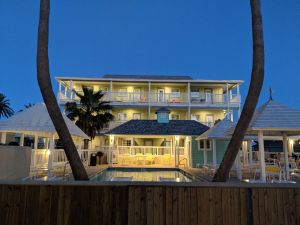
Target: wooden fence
x=39, y=204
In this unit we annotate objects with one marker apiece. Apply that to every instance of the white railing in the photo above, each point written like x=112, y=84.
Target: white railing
x=153, y=150
x=160, y=98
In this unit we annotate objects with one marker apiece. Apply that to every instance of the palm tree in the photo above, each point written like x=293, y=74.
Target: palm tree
x=5, y=109
x=92, y=114
x=256, y=83
x=44, y=80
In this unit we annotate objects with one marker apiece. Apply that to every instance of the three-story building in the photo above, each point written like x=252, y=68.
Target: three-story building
x=139, y=96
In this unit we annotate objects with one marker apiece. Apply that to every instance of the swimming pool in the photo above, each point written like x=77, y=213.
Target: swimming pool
x=143, y=174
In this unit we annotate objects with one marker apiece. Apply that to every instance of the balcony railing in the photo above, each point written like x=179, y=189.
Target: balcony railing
x=175, y=98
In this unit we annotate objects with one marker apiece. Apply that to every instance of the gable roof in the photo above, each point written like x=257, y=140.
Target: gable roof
x=152, y=127
x=36, y=118
x=275, y=116
x=219, y=130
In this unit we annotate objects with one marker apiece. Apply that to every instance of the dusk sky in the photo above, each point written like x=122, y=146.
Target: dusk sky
x=207, y=39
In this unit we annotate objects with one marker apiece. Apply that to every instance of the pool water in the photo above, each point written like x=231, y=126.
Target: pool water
x=143, y=174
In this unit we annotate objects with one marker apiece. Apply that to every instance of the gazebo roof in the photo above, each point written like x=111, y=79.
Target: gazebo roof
x=37, y=119
x=276, y=117
x=219, y=131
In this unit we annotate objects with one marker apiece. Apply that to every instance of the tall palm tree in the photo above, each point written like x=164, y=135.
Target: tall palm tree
x=44, y=80
x=27, y=106
x=92, y=114
x=5, y=109
x=256, y=83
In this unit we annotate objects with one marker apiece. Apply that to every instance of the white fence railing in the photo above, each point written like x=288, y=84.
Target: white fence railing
x=153, y=150
x=161, y=98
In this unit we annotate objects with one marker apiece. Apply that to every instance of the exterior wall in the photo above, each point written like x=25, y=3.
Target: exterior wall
x=130, y=112
x=217, y=114
x=221, y=146
x=197, y=156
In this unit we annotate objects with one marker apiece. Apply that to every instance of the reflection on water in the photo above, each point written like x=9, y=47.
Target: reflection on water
x=158, y=175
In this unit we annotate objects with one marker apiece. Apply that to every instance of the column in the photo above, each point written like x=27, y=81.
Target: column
x=227, y=99
x=111, y=145
x=71, y=89
x=50, y=155
x=149, y=100
x=22, y=139
x=286, y=156
x=250, y=153
x=214, y=148
x=262, y=155
x=3, y=138
x=238, y=98
x=189, y=100
x=238, y=165
x=36, y=139
x=205, y=153
x=110, y=90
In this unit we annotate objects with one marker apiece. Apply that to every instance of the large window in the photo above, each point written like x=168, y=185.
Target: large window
x=195, y=117
x=136, y=116
x=175, y=116
x=122, y=116
x=126, y=142
x=201, y=145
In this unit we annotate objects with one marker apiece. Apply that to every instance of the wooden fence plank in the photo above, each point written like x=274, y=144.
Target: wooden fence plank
x=193, y=206
x=150, y=205
x=175, y=208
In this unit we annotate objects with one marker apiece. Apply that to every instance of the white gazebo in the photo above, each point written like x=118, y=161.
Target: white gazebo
x=276, y=120
x=36, y=122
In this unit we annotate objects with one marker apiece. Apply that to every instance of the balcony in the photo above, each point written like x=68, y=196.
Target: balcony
x=163, y=99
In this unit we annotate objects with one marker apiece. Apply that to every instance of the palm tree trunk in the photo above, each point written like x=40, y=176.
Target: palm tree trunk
x=256, y=83
x=43, y=76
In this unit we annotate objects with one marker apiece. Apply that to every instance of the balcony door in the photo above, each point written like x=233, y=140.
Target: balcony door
x=208, y=95
x=137, y=94
x=160, y=95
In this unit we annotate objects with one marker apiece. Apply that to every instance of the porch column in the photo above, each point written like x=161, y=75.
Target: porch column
x=250, y=152
x=189, y=100
x=149, y=100
x=262, y=155
x=65, y=92
x=214, y=148
x=47, y=143
x=238, y=165
x=286, y=156
x=71, y=89
x=227, y=99
x=36, y=139
x=111, y=145
x=176, y=151
x=110, y=90
x=50, y=155
x=22, y=139
x=3, y=137
x=238, y=98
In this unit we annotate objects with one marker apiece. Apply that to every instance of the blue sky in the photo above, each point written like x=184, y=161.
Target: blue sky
x=205, y=39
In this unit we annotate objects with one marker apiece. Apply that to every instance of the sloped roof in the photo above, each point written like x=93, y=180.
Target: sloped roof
x=148, y=77
x=152, y=127
x=219, y=131
x=275, y=116
x=36, y=118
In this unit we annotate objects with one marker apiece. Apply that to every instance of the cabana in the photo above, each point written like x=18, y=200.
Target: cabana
x=276, y=120
x=33, y=127
x=218, y=138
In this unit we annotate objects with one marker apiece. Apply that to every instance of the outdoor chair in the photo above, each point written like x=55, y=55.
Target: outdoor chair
x=166, y=159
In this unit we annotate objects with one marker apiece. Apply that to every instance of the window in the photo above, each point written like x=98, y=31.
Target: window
x=175, y=93
x=201, y=144
x=175, y=117
x=122, y=116
x=126, y=142
x=195, y=117
x=122, y=92
x=136, y=116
